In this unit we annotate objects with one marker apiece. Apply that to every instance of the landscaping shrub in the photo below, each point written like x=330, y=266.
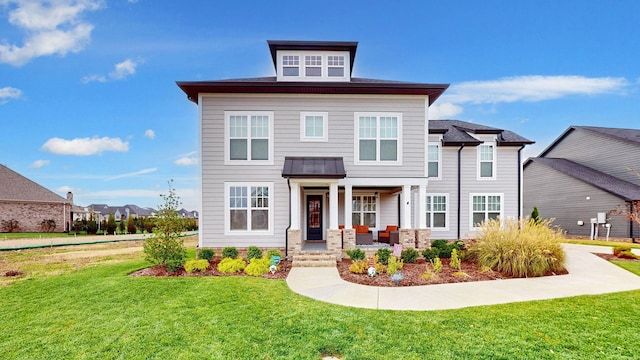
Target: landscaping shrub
x=258, y=266
x=253, y=252
x=111, y=224
x=196, y=265
x=380, y=267
x=394, y=266
x=410, y=255
x=131, y=227
x=444, y=247
x=273, y=252
x=206, y=254
x=455, y=263
x=431, y=253
x=624, y=252
x=229, y=252
x=231, y=265
x=383, y=256
x=355, y=254
x=359, y=266
x=10, y=225
x=437, y=265
x=532, y=250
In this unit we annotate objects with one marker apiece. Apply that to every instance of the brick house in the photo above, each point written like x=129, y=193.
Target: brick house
x=31, y=204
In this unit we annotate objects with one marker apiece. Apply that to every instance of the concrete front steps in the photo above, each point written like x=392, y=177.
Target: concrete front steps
x=313, y=259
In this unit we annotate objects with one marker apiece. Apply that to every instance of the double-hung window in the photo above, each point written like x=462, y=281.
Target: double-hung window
x=291, y=65
x=486, y=161
x=335, y=66
x=378, y=138
x=248, y=207
x=249, y=137
x=436, y=211
x=485, y=207
x=313, y=65
x=433, y=160
x=313, y=126
x=364, y=210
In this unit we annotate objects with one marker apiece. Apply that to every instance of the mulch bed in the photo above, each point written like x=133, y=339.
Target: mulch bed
x=610, y=257
x=285, y=267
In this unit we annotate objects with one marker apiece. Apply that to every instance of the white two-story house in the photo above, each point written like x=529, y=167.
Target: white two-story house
x=307, y=154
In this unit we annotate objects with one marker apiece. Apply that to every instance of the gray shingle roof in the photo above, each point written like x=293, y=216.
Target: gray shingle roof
x=457, y=133
x=620, y=188
x=16, y=187
x=629, y=135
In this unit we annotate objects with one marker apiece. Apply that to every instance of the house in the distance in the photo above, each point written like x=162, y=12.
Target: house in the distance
x=304, y=156
x=585, y=172
x=34, y=207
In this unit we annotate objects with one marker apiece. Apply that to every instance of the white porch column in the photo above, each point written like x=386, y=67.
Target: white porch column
x=333, y=206
x=406, y=207
x=295, y=206
x=421, y=207
x=348, y=206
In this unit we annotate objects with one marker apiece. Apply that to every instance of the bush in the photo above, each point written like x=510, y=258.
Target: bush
x=258, y=266
x=359, y=266
x=231, y=265
x=444, y=247
x=355, y=254
x=273, y=252
x=410, y=255
x=206, y=254
x=455, y=260
x=380, y=267
x=624, y=252
x=431, y=253
x=196, y=265
x=229, y=252
x=10, y=225
x=131, y=227
x=383, y=256
x=394, y=265
x=437, y=265
x=253, y=252
x=532, y=250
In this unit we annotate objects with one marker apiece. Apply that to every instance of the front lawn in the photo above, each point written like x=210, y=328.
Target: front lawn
x=101, y=313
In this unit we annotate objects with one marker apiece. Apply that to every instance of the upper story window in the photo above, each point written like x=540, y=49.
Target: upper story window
x=433, y=160
x=249, y=137
x=378, y=138
x=313, y=126
x=486, y=161
x=313, y=65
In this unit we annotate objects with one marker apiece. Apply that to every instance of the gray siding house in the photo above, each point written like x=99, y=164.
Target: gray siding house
x=307, y=154
x=586, y=171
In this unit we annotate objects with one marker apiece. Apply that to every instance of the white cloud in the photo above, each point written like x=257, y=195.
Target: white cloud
x=39, y=163
x=186, y=161
x=532, y=88
x=120, y=71
x=132, y=174
x=85, y=146
x=51, y=27
x=9, y=93
x=65, y=189
x=150, y=134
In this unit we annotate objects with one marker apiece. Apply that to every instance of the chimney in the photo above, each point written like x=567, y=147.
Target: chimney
x=70, y=197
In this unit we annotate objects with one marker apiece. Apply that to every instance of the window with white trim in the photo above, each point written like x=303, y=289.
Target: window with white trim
x=291, y=65
x=485, y=207
x=486, y=161
x=248, y=207
x=313, y=126
x=300, y=65
x=335, y=66
x=364, y=210
x=313, y=65
x=433, y=160
x=437, y=211
x=378, y=138
x=248, y=137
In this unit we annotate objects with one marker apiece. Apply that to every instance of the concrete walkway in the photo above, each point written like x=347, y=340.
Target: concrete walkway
x=63, y=240
x=588, y=274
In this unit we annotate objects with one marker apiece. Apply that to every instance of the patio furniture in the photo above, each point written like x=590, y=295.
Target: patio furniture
x=364, y=236
x=394, y=237
x=384, y=235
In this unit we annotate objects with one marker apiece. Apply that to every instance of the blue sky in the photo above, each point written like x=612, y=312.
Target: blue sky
x=88, y=101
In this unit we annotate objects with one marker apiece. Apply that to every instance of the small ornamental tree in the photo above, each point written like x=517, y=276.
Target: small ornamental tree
x=111, y=224
x=535, y=216
x=165, y=247
x=131, y=226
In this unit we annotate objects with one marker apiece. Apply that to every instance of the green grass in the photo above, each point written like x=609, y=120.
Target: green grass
x=101, y=313
x=32, y=235
x=632, y=266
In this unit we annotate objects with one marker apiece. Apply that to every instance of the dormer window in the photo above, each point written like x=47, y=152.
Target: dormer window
x=311, y=65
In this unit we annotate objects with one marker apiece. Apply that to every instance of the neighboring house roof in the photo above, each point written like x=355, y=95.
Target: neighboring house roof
x=620, y=188
x=626, y=135
x=134, y=209
x=458, y=133
x=314, y=167
x=15, y=187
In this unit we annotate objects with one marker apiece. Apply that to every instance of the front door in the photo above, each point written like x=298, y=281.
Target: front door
x=314, y=217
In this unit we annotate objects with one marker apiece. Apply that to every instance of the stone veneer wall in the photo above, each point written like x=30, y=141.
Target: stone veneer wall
x=348, y=239
x=334, y=241
x=423, y=238
x=295, y=241
x=30, y=215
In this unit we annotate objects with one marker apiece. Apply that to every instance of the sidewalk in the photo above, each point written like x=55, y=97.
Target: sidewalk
x=588, y=275
x=63, y=240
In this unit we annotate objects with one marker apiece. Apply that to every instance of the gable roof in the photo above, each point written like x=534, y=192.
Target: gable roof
x=15, y=187
x=627, y=135
x=458, y=133
x=620, y=188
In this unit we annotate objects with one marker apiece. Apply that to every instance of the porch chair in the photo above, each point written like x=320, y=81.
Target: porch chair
x=364, y=236
x=383, y=235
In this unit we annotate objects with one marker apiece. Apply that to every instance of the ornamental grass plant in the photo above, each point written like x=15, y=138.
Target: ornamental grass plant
x=527, y=249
